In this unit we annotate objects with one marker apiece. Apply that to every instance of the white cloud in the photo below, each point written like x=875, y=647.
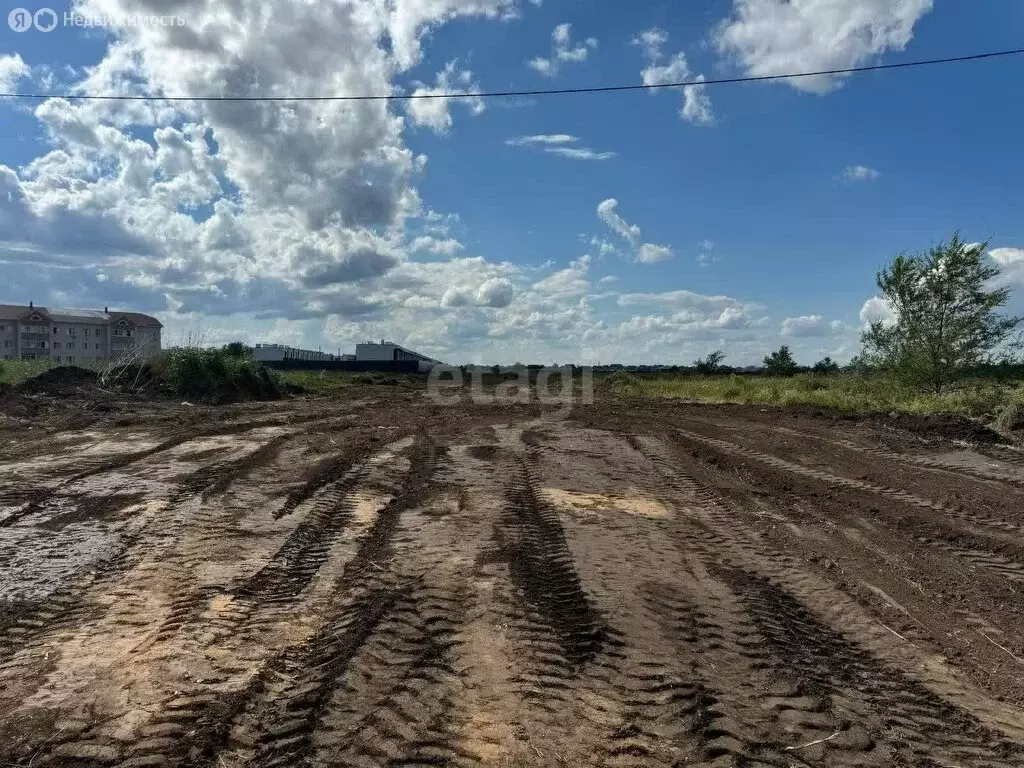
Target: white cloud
x=877, y=309
x=645, y=253
x=1007, y=257
x=580, y=153
x=563, y=51
x=809, y=326
x=855, y=173
x=696, y=107
x=1011, y=261
x=446, y=247
x=302, y=222
x=543, y=139
x=606, y=211
x=652, y=254
x=555, y=144
x=434, y=113
x=771, y=37
x=706, y=256
x=12, y=69
x=651, y=41
x=496, y=292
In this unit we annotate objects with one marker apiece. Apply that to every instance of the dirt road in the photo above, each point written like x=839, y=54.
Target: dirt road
x=389, y=583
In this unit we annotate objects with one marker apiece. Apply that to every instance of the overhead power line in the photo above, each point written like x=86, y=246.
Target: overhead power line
x=540, y=92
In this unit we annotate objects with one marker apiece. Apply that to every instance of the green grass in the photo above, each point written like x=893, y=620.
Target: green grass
x=847, y=393
x=191, y=373
x=212, y=375
x=334, y=383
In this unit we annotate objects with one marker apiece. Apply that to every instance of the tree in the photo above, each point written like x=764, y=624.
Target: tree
x=710, y=364
x=781, y=363
x=237, y=349
x=946, y=321
x=825, y=367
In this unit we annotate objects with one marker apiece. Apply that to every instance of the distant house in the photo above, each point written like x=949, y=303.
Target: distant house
x=75, y=336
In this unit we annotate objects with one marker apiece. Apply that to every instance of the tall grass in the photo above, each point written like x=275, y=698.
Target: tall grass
x=848, y=393
x=212, y=374
x=188, y=372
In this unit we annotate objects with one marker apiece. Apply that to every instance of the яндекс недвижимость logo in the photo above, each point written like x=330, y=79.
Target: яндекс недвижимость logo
x=47, y=19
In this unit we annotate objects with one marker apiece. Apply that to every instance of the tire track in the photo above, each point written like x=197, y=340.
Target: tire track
x=216, y=479
x=744, y=710
x=541, y=567
x=919, y=726
x=993, y=556
x=926, y=462
x=277, y=713
x=847, y=483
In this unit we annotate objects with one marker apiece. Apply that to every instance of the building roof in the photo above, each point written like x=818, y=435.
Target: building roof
x=19, y=312
x=138, y=319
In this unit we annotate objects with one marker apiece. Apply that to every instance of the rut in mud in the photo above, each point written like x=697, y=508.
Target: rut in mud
x=391, y=584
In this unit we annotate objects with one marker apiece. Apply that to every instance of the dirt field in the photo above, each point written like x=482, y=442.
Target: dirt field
x=390, y=583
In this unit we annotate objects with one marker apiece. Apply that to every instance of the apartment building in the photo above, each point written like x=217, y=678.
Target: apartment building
x=75, y=336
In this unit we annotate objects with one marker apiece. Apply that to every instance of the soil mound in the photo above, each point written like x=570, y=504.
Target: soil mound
x=65, y=380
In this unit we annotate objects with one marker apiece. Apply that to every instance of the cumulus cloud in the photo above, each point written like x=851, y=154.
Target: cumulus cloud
x=696, y=107
x=809, y=326
x=875, y=310
x=434, y=113
x=652, y=254
x=226, y=202
x=439, y=247
x=771, y=37
x=302, y=222
x=12, y=69
x=1011, y=261
x=563, y=50
x=855, y=173
x=645, y=253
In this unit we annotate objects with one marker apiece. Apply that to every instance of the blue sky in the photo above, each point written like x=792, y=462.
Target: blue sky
x=628, y=226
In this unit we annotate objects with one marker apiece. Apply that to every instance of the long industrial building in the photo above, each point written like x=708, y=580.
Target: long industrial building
x=382, y=356
x=75, y=336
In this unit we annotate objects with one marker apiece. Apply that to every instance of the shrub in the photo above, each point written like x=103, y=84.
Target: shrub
x=212, y=375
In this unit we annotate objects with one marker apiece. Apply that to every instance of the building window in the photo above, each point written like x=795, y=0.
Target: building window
x=56, y=345
x=7, y=344
x=71, y=345
x=97, y=346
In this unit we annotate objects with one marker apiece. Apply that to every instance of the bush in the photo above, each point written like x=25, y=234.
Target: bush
x=1010, y=418
x=213, y=375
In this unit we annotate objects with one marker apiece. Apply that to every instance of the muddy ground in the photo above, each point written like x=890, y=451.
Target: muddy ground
x=385, y=582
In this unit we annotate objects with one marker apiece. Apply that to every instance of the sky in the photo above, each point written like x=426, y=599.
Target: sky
x=634, y=227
